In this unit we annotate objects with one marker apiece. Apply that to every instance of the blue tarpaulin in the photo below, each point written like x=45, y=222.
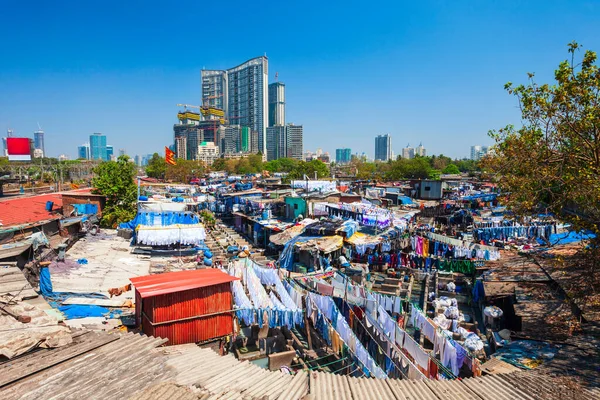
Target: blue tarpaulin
x=568, y=237
x=55, y=299
x=45, y=282
x=405, y=200
x=83, y=311
x=481, y=197
x=86, y=208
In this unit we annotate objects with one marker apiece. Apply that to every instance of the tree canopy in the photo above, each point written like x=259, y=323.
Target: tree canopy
x=552, y=162
x=157, y=167
x=251, y=164
x=451, y=169
x=184, y=170
x=114, y=180
x=309, y=168
x=282, y=165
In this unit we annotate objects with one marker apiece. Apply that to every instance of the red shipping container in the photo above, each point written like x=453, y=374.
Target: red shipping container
x=185, y=306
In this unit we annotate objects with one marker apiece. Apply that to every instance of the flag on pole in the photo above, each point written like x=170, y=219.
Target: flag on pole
x=169, y=156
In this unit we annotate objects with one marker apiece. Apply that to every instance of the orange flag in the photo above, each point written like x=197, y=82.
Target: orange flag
x=169, y=156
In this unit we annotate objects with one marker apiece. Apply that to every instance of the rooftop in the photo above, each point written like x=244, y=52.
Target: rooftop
x=28, y=209
x=170, y=282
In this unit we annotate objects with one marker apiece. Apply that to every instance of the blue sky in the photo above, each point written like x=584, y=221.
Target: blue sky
x=426, y=71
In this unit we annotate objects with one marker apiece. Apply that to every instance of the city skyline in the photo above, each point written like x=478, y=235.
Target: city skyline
x=126, y=84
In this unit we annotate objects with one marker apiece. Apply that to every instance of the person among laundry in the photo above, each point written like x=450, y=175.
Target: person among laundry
x=343, y=261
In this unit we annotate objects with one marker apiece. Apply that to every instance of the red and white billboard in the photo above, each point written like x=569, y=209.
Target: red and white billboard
x=19, y=149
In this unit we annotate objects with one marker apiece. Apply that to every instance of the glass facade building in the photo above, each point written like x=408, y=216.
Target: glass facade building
x=98, y=148
x=383, y=148
x=242, y=94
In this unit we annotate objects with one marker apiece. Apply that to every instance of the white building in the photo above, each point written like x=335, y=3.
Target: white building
x=208, y=152
x=408, y=152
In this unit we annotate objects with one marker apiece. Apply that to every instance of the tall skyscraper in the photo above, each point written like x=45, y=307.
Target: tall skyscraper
x=214, y=89
x=277, y=104
x=242, y=92
x=110, y=152
x=122, y=152
x=231, y=139
x=343, y=156
x=284, y=142
x=83, y=151
x=295, y=141
x=383, y=148
x=420, y=150
x=98, y=149
x=137, y=160
x=275, y=142
x=38, y=141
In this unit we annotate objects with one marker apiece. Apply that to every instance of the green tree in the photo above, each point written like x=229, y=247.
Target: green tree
x=157, y=167
x=281, y=165
x=273, y=166
x=451, y=169
x=552, y=162
x=255, y=162
x=415, y=168
x=114, y=180
x=218, y=164
x=184, y=170
x=440, y=162
x=467, y=165
x=309, y=168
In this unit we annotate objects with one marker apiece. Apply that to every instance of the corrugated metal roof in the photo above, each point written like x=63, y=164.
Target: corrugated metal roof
x=130, y=366
x=226, y=377
x=170, y=282
x=518, y=385
x=114, y=370
x=166, y=390
x=28, y=210
x=493, y=387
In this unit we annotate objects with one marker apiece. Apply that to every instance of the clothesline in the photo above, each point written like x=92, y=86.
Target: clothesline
x=440, y=340
x=277, y=315
x=461, y=243
x=398, y=336
x=402, y=355
x=326, y=307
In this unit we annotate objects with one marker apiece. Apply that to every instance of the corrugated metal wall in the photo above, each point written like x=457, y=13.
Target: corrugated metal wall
x=191, y=316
